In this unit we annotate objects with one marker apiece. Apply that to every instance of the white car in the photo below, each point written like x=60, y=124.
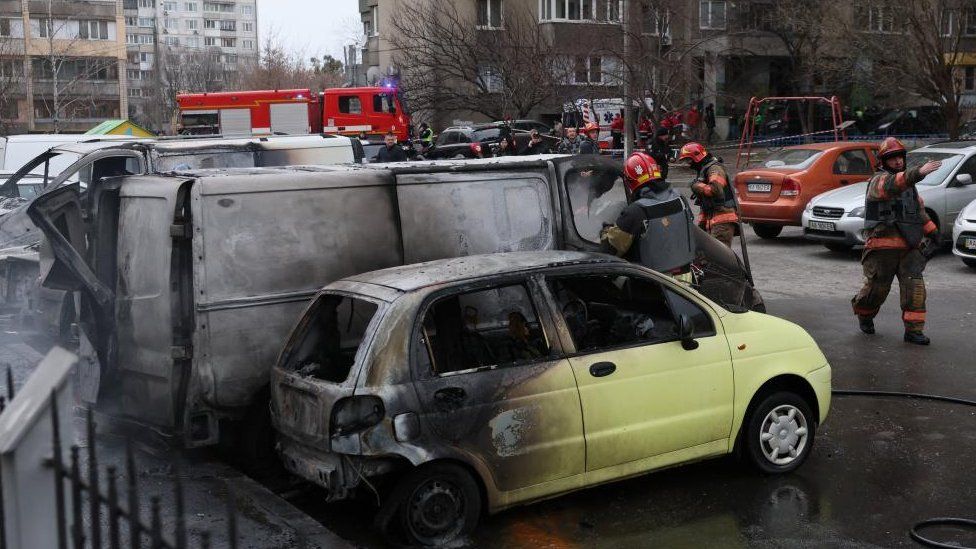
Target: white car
x=964, y=235
x=836, y=218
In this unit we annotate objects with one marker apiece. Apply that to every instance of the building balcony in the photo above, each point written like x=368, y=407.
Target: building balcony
x=92, y=10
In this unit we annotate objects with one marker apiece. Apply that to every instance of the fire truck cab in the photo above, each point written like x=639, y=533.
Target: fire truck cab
x=372, y=111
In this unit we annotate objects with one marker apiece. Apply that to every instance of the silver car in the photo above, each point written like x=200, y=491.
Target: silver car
x=964, y=235
x=836, y=218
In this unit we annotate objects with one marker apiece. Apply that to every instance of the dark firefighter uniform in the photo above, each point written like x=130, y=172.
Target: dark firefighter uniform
x=896, y=224
x=714, y=195
x=656, y=228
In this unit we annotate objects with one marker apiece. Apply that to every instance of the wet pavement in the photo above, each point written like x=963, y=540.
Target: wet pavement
x=878, y=465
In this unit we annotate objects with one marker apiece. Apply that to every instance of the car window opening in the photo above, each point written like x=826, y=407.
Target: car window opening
x=486, y=328
x=596, y=197
x=328, y=348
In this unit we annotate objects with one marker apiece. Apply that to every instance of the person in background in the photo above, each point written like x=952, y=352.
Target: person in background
x=617, y=130
x=507, y=147
x=660, y=150
x=426, y=136
x=571, y=143
x=557, y=130
x=733, y=115
x=709, y=123
x=692, y=121
x=392, y=151
x=536, y=144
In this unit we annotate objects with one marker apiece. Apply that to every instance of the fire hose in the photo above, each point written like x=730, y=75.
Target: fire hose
x=918, y=527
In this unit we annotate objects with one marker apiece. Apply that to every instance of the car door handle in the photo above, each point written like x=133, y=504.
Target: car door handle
x=450, y=396
x=601, y=369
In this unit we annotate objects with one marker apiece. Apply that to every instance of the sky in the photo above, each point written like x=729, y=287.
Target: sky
x=314, y=26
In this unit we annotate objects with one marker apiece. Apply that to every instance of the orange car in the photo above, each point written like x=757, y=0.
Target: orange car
x=773, y=195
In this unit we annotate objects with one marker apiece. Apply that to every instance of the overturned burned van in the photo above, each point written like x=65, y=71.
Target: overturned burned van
x=190, y=282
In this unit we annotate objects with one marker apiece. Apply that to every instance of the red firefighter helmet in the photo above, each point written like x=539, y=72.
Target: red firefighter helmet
x=640, y=169
x=890, y=147
x=590, y=127
x=693, y=151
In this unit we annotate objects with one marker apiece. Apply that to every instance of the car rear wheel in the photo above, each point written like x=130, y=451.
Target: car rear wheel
x=779, y=433
x=838, y=246
x=971, y=263
x=432, y=506
x=767, y=231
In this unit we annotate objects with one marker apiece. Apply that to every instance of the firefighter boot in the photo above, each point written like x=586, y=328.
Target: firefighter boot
x=917, y=338
x=866, y=324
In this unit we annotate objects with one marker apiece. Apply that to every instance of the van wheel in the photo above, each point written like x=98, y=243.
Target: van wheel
x=779, y=433
x=431, y=506
x=767, y=231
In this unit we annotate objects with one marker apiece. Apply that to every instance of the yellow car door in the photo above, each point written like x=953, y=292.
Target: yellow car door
x=644, y=392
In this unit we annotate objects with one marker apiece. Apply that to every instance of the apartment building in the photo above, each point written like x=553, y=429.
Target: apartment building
x=730, y=49
x=161, y=34
x=62, y=64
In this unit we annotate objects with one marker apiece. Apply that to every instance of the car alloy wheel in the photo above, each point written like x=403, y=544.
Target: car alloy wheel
x=784, y=434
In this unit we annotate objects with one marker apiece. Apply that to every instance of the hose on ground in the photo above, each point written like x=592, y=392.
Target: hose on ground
x=932, y=522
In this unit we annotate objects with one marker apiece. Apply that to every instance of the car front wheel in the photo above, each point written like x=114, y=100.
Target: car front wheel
x=779, y=433
x=432, y=506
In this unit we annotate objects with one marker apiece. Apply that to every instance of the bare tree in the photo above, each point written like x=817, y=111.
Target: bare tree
x=914, y=46
x=279, y=68
x=70, y=76
x=452, y=62
x=11, y=80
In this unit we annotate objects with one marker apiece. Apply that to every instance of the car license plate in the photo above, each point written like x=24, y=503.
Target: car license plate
x=822, y=225
x=760, y=187
x=970, y=244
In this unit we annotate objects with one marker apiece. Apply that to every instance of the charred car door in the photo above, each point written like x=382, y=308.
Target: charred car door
x=494, y=385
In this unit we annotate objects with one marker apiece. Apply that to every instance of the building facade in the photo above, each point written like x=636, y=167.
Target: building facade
x=62, y=64
x=163, y=34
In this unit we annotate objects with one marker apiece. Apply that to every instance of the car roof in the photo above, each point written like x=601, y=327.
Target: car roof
x=952, y=146
x=171, y=145
x=835, y=144
x=410, y=278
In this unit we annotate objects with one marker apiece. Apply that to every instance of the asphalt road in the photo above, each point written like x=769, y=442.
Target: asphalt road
x=878, y=465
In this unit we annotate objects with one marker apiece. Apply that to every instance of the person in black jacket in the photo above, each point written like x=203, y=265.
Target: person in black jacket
x=392, y=152
x=536, y=145
x=660, y=149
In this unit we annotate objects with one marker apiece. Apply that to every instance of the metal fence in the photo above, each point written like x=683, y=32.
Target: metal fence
x=94, y=514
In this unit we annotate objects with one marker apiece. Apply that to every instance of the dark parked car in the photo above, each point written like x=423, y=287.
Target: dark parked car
x=479, y=141
x=911, y=121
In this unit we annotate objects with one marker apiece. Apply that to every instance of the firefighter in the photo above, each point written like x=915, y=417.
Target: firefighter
x=590, y=142
x=713, y=192
x=426, y=136
x=657, y=228
x=900, y=236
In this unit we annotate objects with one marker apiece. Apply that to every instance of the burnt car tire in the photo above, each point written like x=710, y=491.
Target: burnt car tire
x=431, y=506
x=778, y=433
x=767, y=231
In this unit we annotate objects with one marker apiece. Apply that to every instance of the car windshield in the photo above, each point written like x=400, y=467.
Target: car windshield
x=949, y=163
x=792, y=158
x=596, y=198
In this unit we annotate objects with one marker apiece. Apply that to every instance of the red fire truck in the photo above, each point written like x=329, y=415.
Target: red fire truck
x=348, y=111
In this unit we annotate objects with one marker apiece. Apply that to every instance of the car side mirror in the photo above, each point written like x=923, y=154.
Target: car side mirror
x=686, y=332
x=963, y=179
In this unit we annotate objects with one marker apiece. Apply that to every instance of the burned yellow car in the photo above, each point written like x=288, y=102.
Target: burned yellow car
x=479, y=383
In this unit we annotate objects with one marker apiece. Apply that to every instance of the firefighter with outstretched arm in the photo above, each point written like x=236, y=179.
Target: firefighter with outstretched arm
x=900, y=237
x=656, y=229
x=713, y=192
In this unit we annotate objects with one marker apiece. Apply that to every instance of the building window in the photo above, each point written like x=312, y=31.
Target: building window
x=209, y=41
x=11, y=68
x=655, y=21
x=614, y=8
x=490, y=79
x=131, y=21
x=169, y=6
x=147, y=3
x=132, y=74
x=12, y=28
x=192, y=42
x=145, y=57
x=93, y=30
x=210, y=23
x=226, y=25
x=567, y=10
x=880, y=18
x=135, y=92
x=490, y=14
x=228, y=42
x=45, y=28
x=192, y=24
x=711, y=14
x=969, y=79
x=247, y=9
x=218, y=7
x=147, y=22
x=190, y=6
x=247, y=26
x=131, y=38
x=10, y=110
x=170, y=24
x=375, y=18
x=588, y=70
x=248, y=44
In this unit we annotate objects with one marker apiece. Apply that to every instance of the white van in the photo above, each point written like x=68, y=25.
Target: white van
x=17, y=150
